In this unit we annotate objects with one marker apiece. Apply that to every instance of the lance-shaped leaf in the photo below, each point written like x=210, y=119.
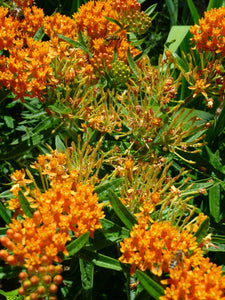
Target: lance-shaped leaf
x=77, y=244
x=111, y=184
x=87, y=275
x=39, y=34
x=152, y=287
x=75, y=44
x=114, y=21
x=101, y=260
x=202, y=230
x=131, y=63
x=4, y=214
x=25, y=205
x=214, y=202
x=125, y=216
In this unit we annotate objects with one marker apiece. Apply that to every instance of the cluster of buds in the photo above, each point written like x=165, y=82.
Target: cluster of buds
x=120, y=71
x=101, y=61
x=139, y=22
x=37, y=284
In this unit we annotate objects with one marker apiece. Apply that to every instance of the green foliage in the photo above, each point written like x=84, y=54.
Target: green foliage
x=92, y=269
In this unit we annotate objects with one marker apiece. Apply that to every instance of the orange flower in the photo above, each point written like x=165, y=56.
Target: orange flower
x=153, y=248
x=209, y=35
x=204, y=281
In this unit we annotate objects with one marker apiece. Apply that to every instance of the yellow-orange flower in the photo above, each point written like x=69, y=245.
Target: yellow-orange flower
x=152, y=248
x=209, y=34
x=204, y=281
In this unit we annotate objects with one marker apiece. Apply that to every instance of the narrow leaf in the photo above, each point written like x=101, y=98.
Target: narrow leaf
x=151, y=9
x=214, y=202
x=114, y=21
x=87, y=274
x=109, y=234
x=215, y=4
x=202, y=230
x=75, y=44
x=3, y=231
x=131, y=62
x=193, y=11
x=100, y=260
x=172, y=12
x=39, y=34
x=112, y=184
x=140, y=55
x=77, y=244
x=125, y=216
x=4, y=214
x=152, y=287
x=59, y=144
x=25, y=205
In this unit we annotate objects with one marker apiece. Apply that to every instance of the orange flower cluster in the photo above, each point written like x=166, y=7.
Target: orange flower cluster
x=64, y=207
x=209, y=35
x=19, y=72
x=204, y=281
x=152, y=248
x=102, y=35
x=26, y=70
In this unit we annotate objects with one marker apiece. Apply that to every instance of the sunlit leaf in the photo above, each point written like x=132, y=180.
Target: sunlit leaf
x=152, y=287
x=125, y=216
x=77, y=244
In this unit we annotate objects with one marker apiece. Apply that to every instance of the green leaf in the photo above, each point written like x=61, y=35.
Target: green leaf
x=3, y=213
x=202, y=230
x=77, y=244
x=87, y=275
x=131, y=62
x=44, y=128
x=152, y=287
x=75, y=44
x=214, y=159
x=193, y=11
x=219, y=123
x=142, y=54
x=3, y=231
x=100, y=260
x=125, y=216
x=214, y=202
x=25, y=205
x=81, y=39
x=109, y=234
x=59, y=144
x=39, y=34
x=215, y=4
x=176, y=36
x=112, y=184
x=181, y=62
x=173, y=11
x=114, y=21
x=9, y=121
x=151, y=9
x=11, y=295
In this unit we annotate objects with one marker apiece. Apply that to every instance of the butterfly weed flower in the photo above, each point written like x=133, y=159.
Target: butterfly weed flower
x=208, y=35
x=203, y=281
x=152, y=246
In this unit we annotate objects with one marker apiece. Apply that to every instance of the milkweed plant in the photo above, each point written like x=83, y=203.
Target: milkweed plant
x=113, y=175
